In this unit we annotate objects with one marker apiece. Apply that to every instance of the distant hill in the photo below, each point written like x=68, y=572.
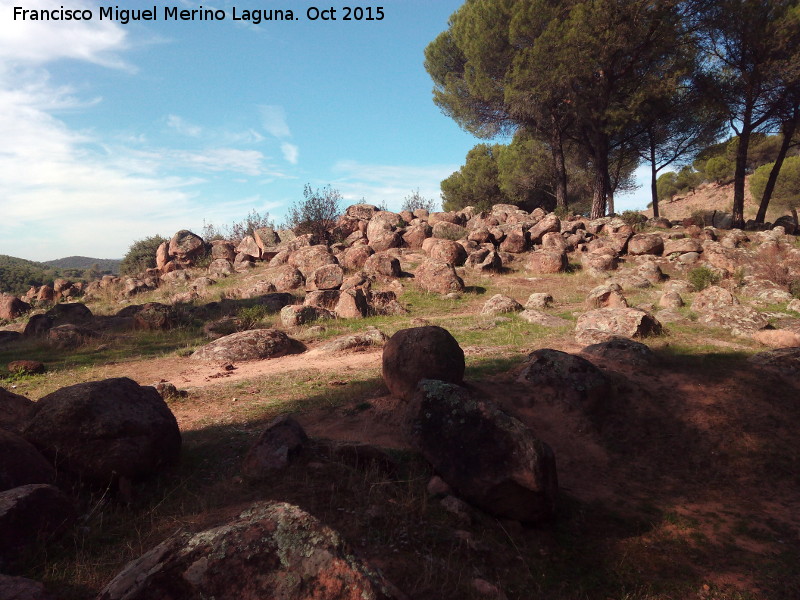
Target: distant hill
x=85, y=262
x=17, y=275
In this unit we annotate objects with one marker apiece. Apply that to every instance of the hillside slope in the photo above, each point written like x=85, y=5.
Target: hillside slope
x=85, y=262
x=711, y=196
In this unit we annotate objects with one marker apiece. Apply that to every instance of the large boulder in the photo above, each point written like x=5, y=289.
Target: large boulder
x=155, y=316
x=490, y=459
x=15, y=410
x=567, y=379
x=326, y=277
x=185, y=247
x=12, y=307
x=438, y=277
x=255, y=344
x=418, y=353
x=69, y=336
x=294, y=316
x=382, y=265
x=21, y=463
x=287, y=278
x=102, y=430
x=499, y=304
x=550, y=223
x=646, y=243
x=712, y=299
x=30, y=515
x=543, y=262
x=310, y=258
x=21, y=588
x=355, y=257
x=446, y=251
x=271, y=550
x=741, y=321
x=603, y=323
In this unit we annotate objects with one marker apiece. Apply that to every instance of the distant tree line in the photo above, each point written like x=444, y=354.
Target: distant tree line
x=588, y=90
x=18, y=275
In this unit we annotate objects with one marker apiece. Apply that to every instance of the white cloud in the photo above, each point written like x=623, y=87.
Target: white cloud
x=183, y=127
x=248, y=162
x=388, y=184
x=39, y=42
x=290, y=152
x=273, y=118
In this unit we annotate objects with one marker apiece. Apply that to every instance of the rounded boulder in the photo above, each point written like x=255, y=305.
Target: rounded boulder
x=418, y=353
x=102, y=430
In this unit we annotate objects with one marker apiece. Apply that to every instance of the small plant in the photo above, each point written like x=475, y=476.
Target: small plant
x=237, y=230
x=249, y=317
x=634, y=219
x=316, y=213
x=702, y=277
x=416, y=201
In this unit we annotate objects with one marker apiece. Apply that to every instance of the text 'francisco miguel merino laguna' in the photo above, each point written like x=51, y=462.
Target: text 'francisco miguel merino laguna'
x=173, y=13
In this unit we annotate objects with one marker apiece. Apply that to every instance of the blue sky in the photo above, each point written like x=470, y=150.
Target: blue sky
x=110, y=133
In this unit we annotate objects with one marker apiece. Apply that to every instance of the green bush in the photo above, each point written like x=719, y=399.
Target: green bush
x=634, y=219
x=702, y=277
x=250, y=316
x=141, y=255
x=316, y=213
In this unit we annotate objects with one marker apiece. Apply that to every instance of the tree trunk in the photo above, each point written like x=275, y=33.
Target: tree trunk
x=559, y=165
x=600, y=188
x=788, y=130
x=610, y=189
x=653, y=178
x=741, y=169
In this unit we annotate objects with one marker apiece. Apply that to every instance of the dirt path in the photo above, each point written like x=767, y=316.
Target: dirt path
x=186, y=373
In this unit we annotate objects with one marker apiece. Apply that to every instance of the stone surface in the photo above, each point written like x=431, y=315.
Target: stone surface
x=26, y=367
x=286, y=278
x=15, y=410
x=742, y=321
x=102, y=430
x=382, y=265
x=625, y=322
x=646, y=243
x=621, y=350
x=567, y=379
x=271, y=550
x=69, y=336
x=370, y=337
x=294, y=315
x=785, y=360
x=12, y=307
x=282, y=441
x=428, y=352
x=255, y=344
x=536, y=317
x=185, y=247
x=489, y=458
x=542, y=262
x=499, y=304
x=606, y=296
x=30, y=515
x=438, y=277
x=446, y=251
x=21, y=588
x=539, y=300
x=777, y=338
x=326, y=277
x=713, y=298
x=21, y=463
x=670, y=300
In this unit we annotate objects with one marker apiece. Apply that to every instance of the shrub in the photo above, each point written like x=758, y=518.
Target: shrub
x=316, y=213
x=141, y=255
x=634, y=219
x=719, y=169
x=702, y=277
x=237, y=230
x=416, y=201
x=250, y=316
